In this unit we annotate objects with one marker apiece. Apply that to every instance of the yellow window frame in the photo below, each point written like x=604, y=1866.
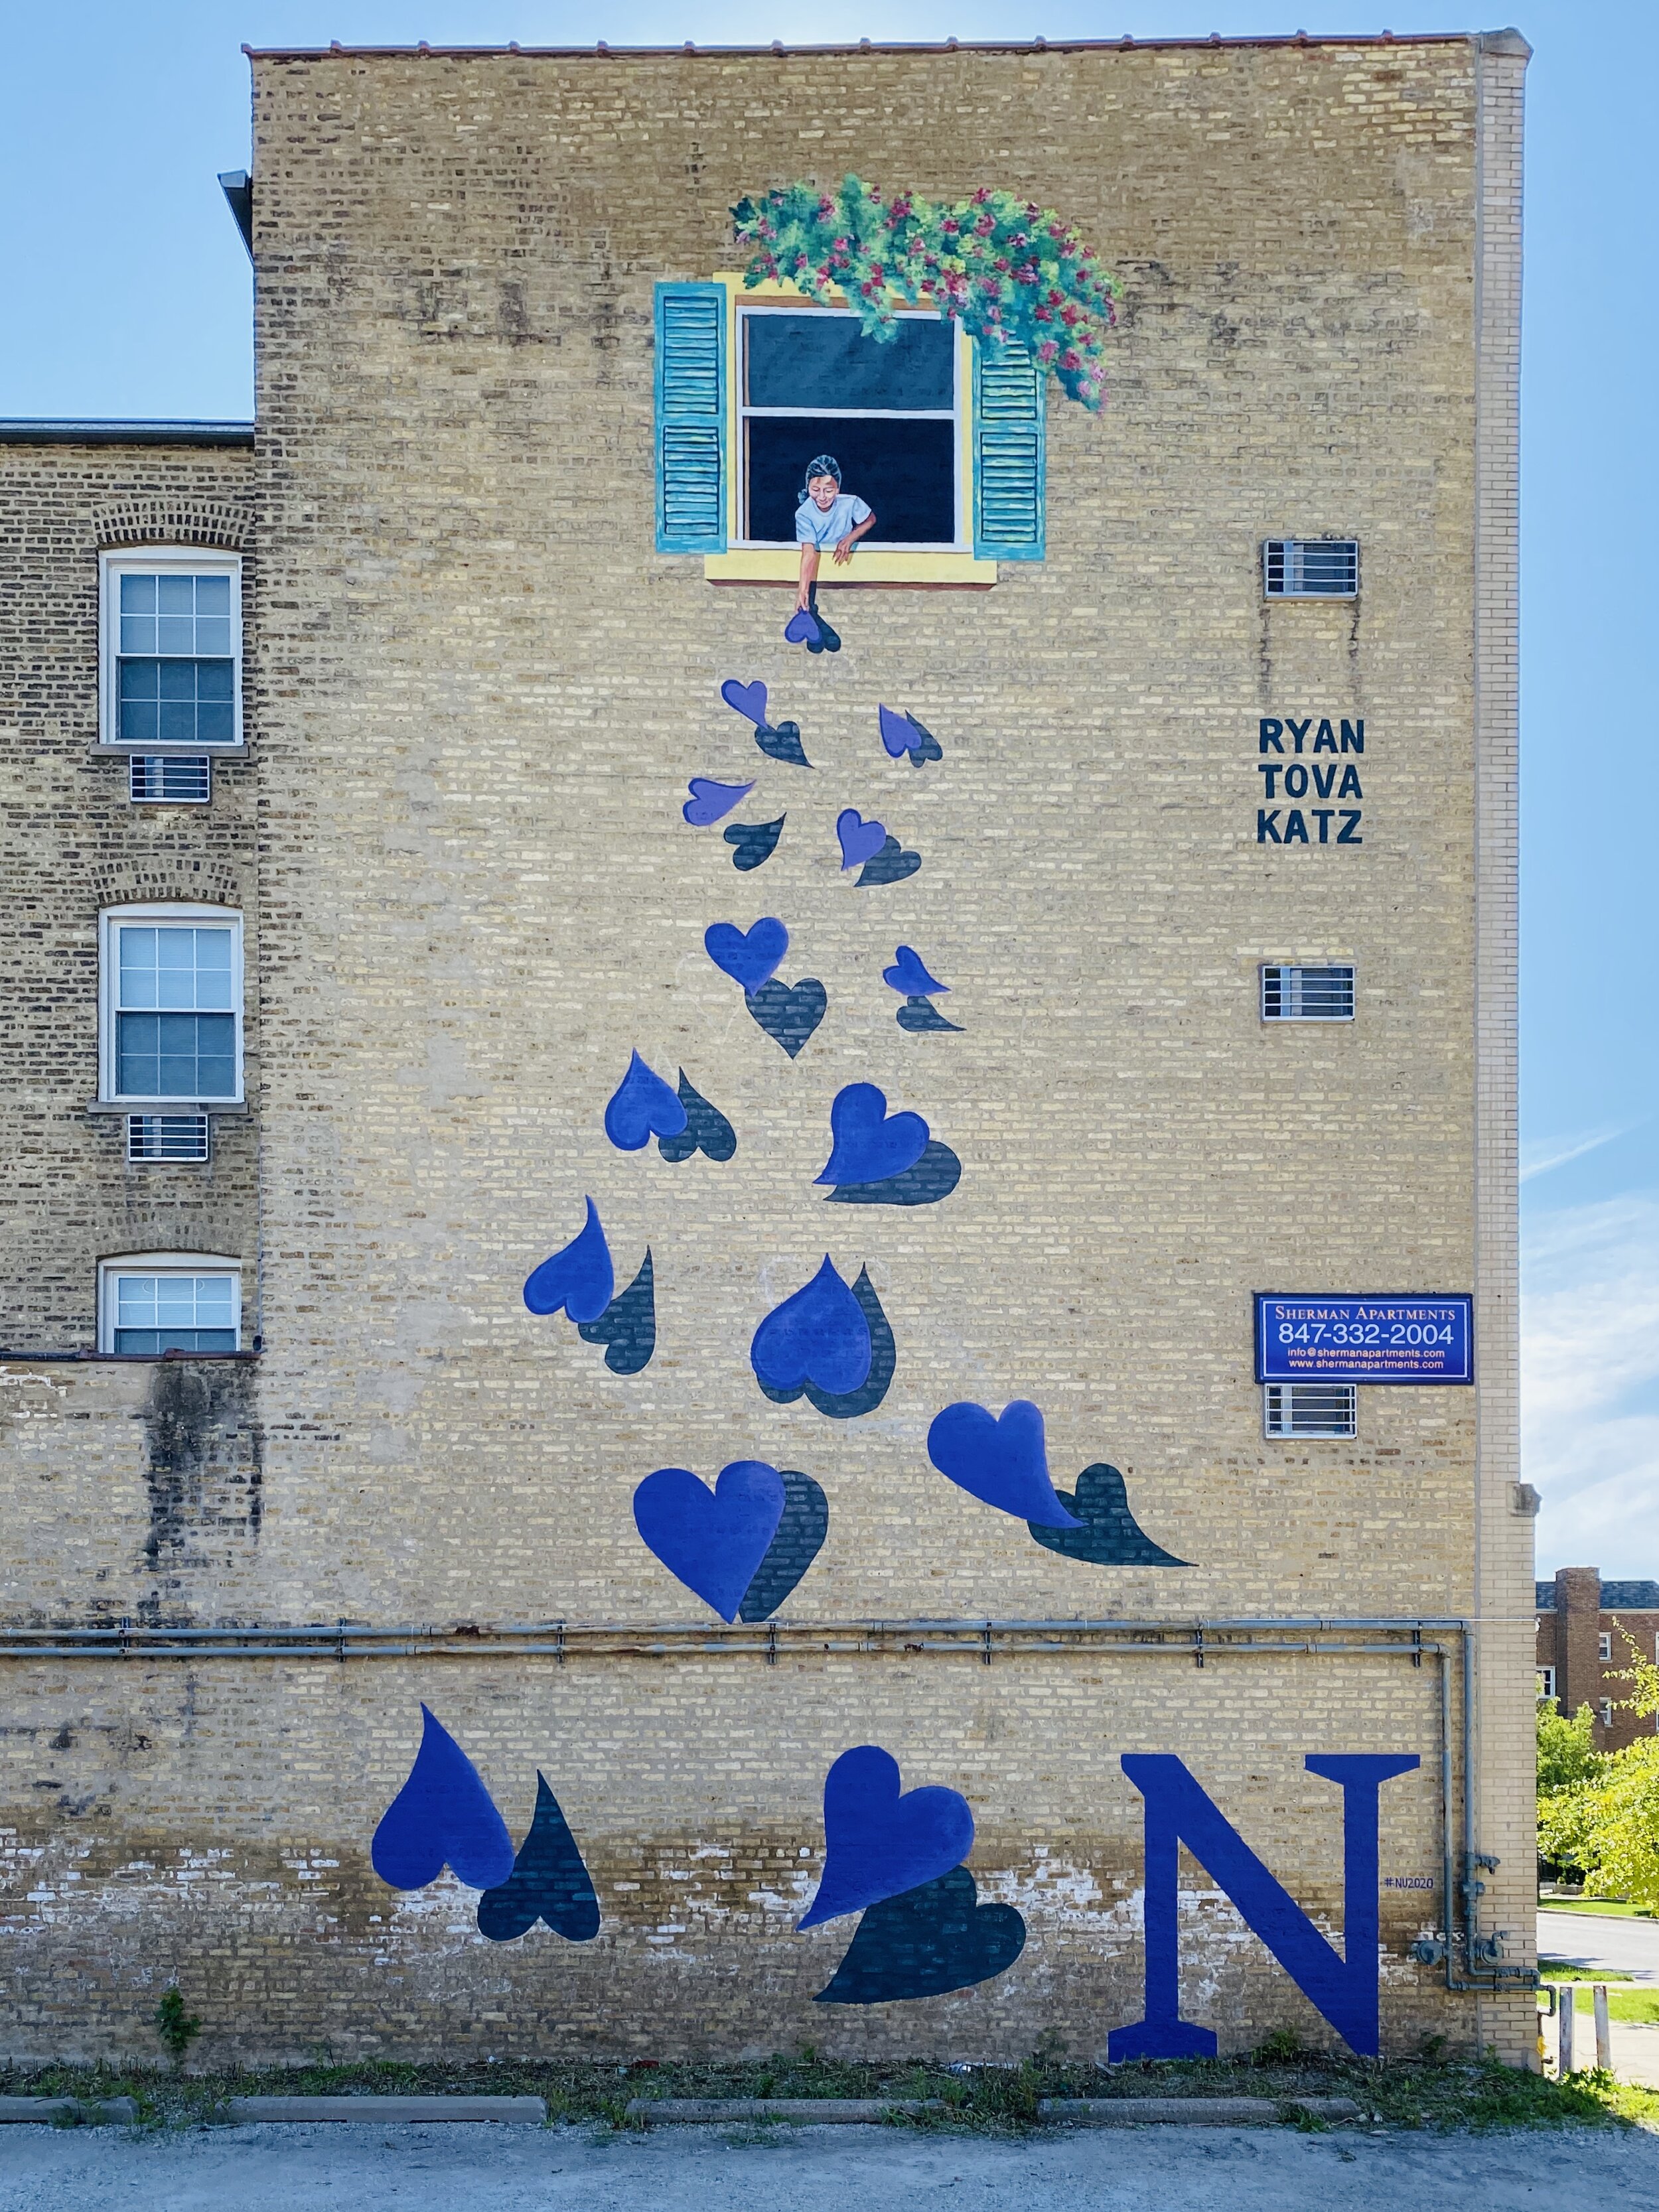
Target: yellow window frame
x=870, y=565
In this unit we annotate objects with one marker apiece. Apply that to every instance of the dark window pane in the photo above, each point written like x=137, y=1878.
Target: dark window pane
x=826, y=361
x=153, y=1340
x=175, y=1055
x=905, y=471
x=213, y=679
x=216, y=725
x=139, y=721
x=140, y=679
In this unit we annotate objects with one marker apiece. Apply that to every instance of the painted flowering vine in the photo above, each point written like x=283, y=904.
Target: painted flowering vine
x=1005, y=268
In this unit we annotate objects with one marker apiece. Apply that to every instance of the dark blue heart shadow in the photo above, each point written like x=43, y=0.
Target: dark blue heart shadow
x=880, y=1840
x=548, y=1882
x=627, y=1326
x=783, y=743
x=714, y=1541
x=1000, y=1459
x=925, y=1942
x=788, y=1012
x=847, y=1405
x=916, y=1014
x=753, y=844
x=706, y=1129
x=443, y=1816
x=929, y=1179
x=799, y=1541
x=890, y=866
x=1111, y=1535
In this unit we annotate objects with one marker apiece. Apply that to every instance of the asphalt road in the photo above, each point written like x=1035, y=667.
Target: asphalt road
x=1599, y=1939
x=513, y=2169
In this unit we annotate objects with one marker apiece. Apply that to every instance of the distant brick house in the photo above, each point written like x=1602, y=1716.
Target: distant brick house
x=1581, y=1652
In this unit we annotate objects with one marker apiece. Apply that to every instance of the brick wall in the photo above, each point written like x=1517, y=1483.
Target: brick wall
x=479, y=695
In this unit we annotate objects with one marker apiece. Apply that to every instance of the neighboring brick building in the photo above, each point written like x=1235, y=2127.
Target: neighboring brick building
x=373, y=897
x=1582, y=1652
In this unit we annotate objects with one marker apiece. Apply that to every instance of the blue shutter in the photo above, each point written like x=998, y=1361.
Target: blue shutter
x=691, y=418
x=1009, y=453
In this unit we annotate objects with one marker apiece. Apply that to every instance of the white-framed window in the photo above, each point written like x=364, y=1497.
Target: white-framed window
x=895, y=416
x=154, y=1302
x=1604, y=1645
x=170, y=662
x=170, y=1011
x=1546, y=1683
x=1606, y=1712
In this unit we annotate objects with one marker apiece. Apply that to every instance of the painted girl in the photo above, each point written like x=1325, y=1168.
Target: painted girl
x=827, y=516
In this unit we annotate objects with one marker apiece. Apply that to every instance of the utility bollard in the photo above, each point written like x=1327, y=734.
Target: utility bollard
x=1564, y=2064
x=1603, y=2032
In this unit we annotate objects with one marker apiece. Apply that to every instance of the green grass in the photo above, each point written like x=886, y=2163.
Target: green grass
x=1614, y=1908
x=1563, y=1969
x=1640, y=2006
x=1402, y=2092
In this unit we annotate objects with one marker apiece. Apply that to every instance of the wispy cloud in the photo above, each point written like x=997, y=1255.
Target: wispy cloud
x=1589, y=1375
x=1546, y=1153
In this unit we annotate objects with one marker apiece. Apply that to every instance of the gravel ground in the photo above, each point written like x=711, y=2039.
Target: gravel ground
x=515, y=2169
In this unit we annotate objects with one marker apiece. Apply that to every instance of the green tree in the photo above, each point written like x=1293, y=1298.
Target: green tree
x=1601, y=1812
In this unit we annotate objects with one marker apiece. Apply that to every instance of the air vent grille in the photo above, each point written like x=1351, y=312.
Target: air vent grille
x=1310, y=567
x=169, y=1137
x=1309, y=1409
x=172, y=779
x=1307, y=994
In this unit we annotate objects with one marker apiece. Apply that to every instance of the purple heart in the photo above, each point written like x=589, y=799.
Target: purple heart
x=803, y=630
x=869, y=1144
x=1002, y=1461
x=878, y=1842
x=898, y=732
x=713, y=1541
x=859, y=839
x=641, y=1107
x=443, y=1816
x=709, y=801
x=748, y=699
x=749, y=956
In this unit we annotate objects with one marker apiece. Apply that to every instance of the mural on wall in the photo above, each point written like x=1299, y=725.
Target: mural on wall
x=641, y=1107
x=1109, y=1535
x=788, y=1013
x=550, y=1882
x=443, y=1816
x=869, y=847
x=706, y=1130
x=827, y=1343
x=711, y=802
x=742, y=1547
x=903, y=737
x=579, y=1280
x=895, y=1856
x=753, y=844
x=908, y=977
x=878, y=1158
x=782, y=742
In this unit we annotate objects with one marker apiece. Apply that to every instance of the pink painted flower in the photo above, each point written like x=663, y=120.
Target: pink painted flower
x=1047, y=351
x=1070, y=360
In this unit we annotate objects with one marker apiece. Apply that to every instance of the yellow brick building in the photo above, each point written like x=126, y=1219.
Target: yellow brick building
x=354, y=841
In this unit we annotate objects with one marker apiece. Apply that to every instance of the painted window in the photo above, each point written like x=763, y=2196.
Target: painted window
x=943, y=437
x=154, y=1302
x=172, y=649
x=171, y=990
x=811, y=382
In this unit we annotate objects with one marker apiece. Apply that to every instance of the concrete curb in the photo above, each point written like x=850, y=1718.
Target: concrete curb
x=1191, y=2112
x=527, y=2111
x=815, y=2112
x=83, y=2112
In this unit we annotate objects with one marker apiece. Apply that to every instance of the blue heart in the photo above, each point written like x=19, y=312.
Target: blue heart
x=443, y=1815
x=819, y=1335
x=868, y=1144
x=859, y=839
x=748, y=957
x=642, y=1106
x=802, y=628
x=879, y=1842
x=749, y=700
x=931, y=1939
x=907, y=975
x=709, y=801
x=578, y=1277
x=712, y=1541
x=1000, y=1460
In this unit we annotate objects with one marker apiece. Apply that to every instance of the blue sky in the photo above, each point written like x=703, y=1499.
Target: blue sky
x=126, y=292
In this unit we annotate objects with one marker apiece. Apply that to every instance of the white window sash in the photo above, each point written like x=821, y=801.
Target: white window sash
x=161, y=561
x=173, y=1264
x=111, y=922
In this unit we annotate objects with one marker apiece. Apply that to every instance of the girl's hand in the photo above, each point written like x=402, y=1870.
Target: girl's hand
x=844, y=550
x=801, y=599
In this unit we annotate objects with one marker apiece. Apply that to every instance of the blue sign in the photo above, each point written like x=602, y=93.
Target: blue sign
x=1389, y=1339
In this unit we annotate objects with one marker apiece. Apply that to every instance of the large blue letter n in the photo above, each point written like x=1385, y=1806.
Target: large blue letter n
x=1178, y=1811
